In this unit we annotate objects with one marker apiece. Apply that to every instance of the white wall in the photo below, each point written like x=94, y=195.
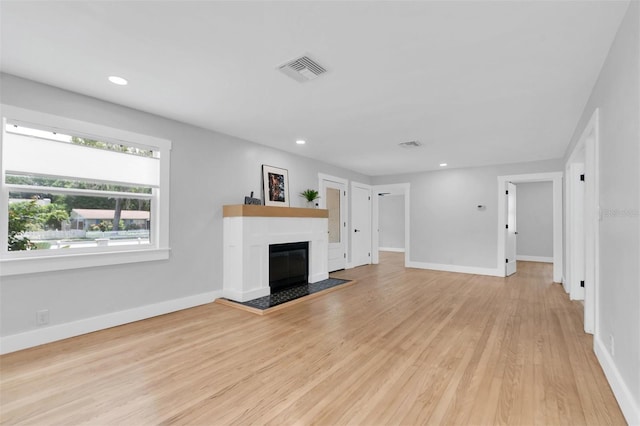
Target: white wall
x=534, y=219
x=208, y=170
x=446, y=226
x=391, y=221
x=616, y=93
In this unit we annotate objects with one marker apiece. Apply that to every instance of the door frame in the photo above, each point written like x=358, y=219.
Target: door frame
x=368, y=188
x=344, y=213
x=556, y=179
x=588, y=146
x=395, y=189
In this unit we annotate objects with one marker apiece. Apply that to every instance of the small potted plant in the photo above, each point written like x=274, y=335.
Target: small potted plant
x=311, y=195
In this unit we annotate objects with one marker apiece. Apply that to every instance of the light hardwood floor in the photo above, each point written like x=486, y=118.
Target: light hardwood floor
x=401, y=346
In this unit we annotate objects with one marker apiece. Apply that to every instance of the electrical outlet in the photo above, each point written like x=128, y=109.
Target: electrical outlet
x=42, y=317
x=612, y=347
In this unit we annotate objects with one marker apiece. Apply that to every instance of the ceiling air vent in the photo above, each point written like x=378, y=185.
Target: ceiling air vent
x=410, y=144
x=302, y=69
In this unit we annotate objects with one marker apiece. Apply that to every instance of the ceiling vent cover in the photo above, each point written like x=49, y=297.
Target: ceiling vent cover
x=302, y=69
x=410, y=144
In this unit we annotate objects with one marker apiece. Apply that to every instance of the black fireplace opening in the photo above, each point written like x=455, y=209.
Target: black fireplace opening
x=288, y=265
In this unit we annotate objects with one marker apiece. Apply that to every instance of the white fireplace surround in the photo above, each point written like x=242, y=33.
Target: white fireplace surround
x=248, y=232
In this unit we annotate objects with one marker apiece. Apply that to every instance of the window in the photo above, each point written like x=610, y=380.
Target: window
x=77, y=194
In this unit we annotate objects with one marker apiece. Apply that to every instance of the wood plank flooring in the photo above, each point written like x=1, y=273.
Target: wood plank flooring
x=400, y=347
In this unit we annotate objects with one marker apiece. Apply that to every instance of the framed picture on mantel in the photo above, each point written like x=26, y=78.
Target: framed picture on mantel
x=276, y=186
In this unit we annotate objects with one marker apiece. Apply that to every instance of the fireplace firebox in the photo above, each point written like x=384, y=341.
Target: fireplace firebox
x=288, y=265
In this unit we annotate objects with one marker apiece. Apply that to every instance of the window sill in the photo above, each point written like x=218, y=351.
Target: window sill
x=31, y=265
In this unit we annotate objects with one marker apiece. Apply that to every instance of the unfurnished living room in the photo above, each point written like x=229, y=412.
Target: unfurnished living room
x=320, y=212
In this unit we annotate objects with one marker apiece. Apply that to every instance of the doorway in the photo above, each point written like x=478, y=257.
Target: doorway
x=391, y=220
x=333, y=197
x=503, y=213
x=534, y=222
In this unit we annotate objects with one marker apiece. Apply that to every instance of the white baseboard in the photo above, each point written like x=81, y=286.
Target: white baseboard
x=40, y=336
x=350, y=265
x=393, y=249
x=630, y=409
x=243, y=296
x=318, y=277
x=457, y=268
x=526, y=258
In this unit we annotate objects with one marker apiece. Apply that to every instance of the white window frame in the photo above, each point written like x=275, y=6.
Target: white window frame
x=34, y=261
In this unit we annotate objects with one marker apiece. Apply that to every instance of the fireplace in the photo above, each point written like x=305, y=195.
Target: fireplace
x=288, y=265
x=249, y=230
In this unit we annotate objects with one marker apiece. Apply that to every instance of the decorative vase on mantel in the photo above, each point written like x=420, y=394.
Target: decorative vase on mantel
x=311, y=195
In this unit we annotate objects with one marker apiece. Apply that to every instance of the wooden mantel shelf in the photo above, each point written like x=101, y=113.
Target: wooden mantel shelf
x=249, y=210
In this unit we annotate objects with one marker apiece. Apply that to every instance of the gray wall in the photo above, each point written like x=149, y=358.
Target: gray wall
x=617, y=94
x=391, y=221
x=534, y=219
x=208, y=170
x=446, y=226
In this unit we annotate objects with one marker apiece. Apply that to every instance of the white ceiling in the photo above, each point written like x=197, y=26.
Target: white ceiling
x=477, y=82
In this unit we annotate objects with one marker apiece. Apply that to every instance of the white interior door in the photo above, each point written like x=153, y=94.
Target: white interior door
x=333, y=198
x=577, y=223
x=361, y=224
x=511, y=229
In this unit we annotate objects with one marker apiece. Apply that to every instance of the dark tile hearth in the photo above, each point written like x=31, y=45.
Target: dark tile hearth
x=292, y=293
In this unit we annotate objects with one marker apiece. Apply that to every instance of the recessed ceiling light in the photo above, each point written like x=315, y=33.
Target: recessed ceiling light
x=301, y=141
x=443, y=164
x=118, y=80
